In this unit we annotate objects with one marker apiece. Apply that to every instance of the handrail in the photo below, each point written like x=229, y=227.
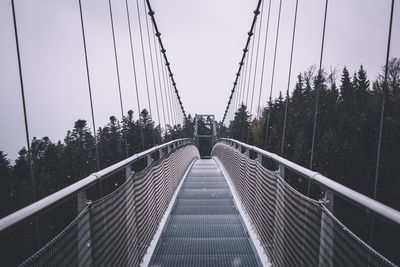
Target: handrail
x=350, y=194
x=70, y=191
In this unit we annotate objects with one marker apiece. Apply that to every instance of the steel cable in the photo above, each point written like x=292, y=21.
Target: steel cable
x=89, y=84
x=159, y=78
x=263, y=62
x=289, y=76
x=273, y=75
x=134, y=70
x=152, y=66
x=144, y=66
x=118, y=75
x=318, y=88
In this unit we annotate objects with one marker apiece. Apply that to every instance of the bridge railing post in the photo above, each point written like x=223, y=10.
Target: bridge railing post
x=247, y=152
x=160, y=152
x=326, y=234
x=149, y=159
x=84, y=241
x=128, y=172
x=259, y=158
x=281, y=171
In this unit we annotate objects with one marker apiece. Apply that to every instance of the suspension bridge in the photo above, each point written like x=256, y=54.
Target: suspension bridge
x=180, y=204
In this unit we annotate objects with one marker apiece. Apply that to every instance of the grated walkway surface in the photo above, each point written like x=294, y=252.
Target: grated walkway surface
x=204, y=227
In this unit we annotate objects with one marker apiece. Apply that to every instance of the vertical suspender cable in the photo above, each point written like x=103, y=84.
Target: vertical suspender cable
x=251, y=65
x=144, y=66
x=134, y=69
x=246, y=67
x=256, y=63
x=89, y=84
x=21, y=81
x=118, y=76
x=165, y=80
x=317, y=89
x=382, y=115
x=249, y=77
x=255, y=67
x=289, y=76
x=159, y=79
x=273, y=74
x=152, y=66
x=384, y=92
x=263, y=61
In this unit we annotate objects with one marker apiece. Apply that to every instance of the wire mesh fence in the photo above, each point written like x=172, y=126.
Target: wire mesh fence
x=117, y=229
x=293, y=229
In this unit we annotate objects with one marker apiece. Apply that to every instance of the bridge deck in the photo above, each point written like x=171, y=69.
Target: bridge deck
x=204, y=227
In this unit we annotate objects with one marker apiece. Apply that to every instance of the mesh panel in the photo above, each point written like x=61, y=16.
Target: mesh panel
x=293, y=229
x=117, y=229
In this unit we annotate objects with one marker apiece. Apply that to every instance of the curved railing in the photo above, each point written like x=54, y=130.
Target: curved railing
x=103, y=231
x=294, y=229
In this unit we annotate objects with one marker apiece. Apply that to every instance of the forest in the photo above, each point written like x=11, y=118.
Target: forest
x=347, y=129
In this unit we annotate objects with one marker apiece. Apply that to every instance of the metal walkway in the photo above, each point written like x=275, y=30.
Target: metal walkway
x=204, y=227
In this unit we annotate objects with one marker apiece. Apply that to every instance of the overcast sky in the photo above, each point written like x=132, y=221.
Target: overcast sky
x=204, y=41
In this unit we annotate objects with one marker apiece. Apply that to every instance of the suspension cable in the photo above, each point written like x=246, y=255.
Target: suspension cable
x=159, y=79
x=249, y=78
x=89, y=85
x=384, y=91
x=158, y=34
x=255, y=67
x=318, y=87
x=256, y=63
x=21, y=83
x=250, y=66
x=152, y=66
x=134, y=70
x=118, y=75
x=145, y=67
x=165, y=81
x=289, y=77
x=256, y=13
x=273, y=74
x=246, y=70
x=263, y=61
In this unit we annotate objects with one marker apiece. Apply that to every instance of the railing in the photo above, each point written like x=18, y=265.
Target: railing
x=294, y=228
x=168, y=164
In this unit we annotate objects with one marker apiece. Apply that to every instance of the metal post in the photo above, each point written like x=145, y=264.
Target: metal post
x=149, y=160
x=259, y=158
x=281, y=171
x=128, y=172
x=326, y=235
x=84, y=233
x=247, y=152
x=161, y=154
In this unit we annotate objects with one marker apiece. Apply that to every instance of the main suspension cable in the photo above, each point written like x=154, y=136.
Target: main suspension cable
x=289, y=77
x=273, y=75
x=158, y=34
x=256, y=13
x=134, y=70
x=318, y=87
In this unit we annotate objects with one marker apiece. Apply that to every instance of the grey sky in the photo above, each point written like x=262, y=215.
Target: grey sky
x=204, y=41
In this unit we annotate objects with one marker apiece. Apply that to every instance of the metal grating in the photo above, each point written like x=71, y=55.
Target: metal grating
x=204, y=228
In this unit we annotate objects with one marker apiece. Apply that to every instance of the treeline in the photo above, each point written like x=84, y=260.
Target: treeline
x=347, y=129
x=57, y=165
